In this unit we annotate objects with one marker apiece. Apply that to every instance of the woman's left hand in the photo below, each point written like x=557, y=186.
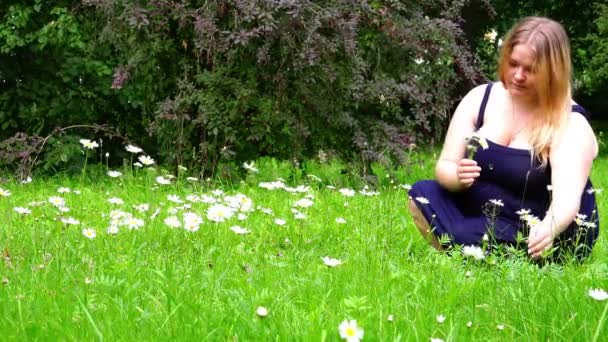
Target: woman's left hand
x=540, y=239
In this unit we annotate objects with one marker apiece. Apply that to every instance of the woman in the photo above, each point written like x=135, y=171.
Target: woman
x=532, y=178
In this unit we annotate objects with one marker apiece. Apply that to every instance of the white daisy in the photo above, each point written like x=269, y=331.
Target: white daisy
x=473, y=251
x=240, y=230
x=261, y=311
x=133, y=149
x=331, y=262
x=22, y=211
x=350, y=331
x=89, y=233
x=598, y=294
x=173, y=222
x=347, y=192
x=114, y=174
x=146, y=160
x=88, y=144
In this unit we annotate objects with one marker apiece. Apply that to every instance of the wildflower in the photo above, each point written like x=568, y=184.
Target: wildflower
x=88, y=144
x=133, y=222
x=592, y=190
x=407, y=187
x=266, y=211
x=70, y=221
x=468, y=274
x=523, y=212
x=114, y=174
x=469, y=324
x=138, y=164
x=146, y=160
x=331, y=262
x=22, y=211
x=241, y=217
x=112, y=229
x=340, y=220
x=419, y=60
x=240, y=230
x=303, y=203
x=422, y=200
x=433, y=339
x=174, y=199
x=250, y=167
x=239, y=202
x=497, y=202
x=440, y=319
x=347, y=192
x=217, y=192
x=350, y=331
x=390, y=318
x=598, y=294
x=27, y=180
x=192, y=219
x=490, y=36
x=142, y=207
x=261, y=311
x=191, y=179
x=89, y=233
x=116, y=200
x=173, y=222
x=272, y=185
x=474, y=141
x=219, y=213
x=133, y=149
x=4, y=193
x=300, y=216
x=162, y=180
x=280, y=222
x=473, y=251
x=208, y=199
x=500, y=327
x=62, y=190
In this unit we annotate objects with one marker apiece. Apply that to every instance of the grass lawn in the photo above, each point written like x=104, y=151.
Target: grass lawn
x=134, y=277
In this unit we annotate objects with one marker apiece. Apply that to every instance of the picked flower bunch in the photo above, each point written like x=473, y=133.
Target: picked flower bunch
x=474, y=142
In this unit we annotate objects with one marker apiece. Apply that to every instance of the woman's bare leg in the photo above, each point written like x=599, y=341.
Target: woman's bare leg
x=422, y=225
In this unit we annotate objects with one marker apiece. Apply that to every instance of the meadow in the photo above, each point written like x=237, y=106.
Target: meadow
x=285, y=254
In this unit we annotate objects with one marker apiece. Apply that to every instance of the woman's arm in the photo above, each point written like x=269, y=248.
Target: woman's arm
x=571, y=160
x=452, y=171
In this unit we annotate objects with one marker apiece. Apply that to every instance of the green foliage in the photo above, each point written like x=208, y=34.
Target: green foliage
x=595, y=77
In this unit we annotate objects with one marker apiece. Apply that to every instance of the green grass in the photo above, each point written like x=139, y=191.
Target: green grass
x=158, y=283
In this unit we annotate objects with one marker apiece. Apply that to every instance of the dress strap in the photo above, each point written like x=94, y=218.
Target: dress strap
x=579, y=109
x=482, y=108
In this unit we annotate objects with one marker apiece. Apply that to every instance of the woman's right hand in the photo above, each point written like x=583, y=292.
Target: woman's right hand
x=467, y=171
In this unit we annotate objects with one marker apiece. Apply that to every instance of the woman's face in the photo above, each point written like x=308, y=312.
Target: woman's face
x=521, y=76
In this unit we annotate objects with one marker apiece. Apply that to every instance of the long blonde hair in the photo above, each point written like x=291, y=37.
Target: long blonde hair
x=553, y=69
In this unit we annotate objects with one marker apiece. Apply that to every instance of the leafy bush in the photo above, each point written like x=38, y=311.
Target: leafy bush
x=239, y=79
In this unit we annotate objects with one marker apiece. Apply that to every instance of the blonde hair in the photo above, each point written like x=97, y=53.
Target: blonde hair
x=553, y=70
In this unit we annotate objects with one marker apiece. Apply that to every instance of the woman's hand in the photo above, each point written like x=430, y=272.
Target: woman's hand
x=467, y=171
x=540, y=239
